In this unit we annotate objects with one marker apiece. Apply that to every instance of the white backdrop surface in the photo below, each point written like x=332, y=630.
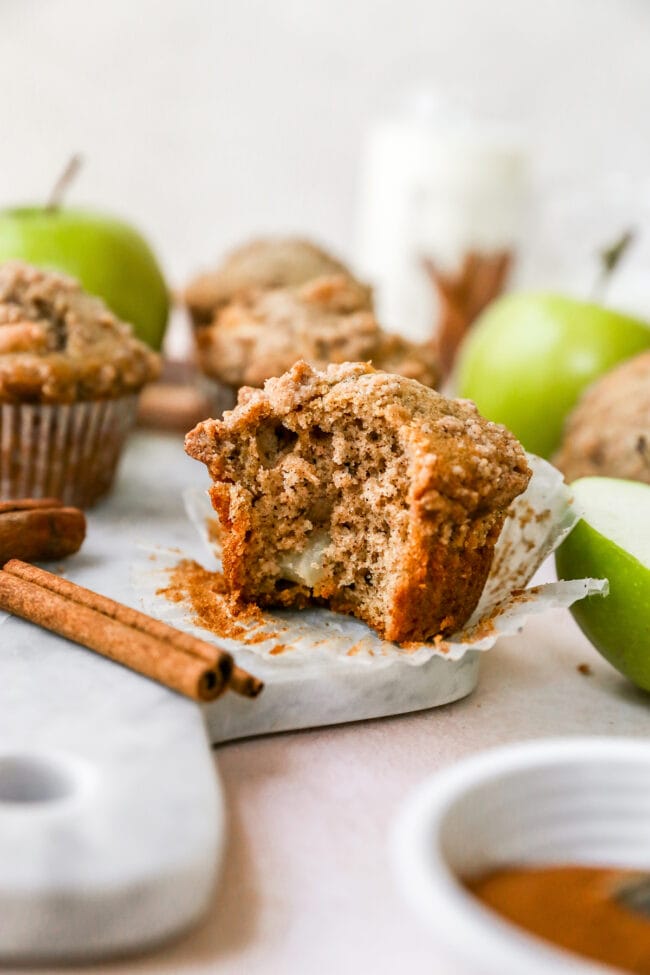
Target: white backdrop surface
x=206, y=122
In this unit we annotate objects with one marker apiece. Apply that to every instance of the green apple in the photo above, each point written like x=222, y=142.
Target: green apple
x=530, y=356
x=612, y=541
x=106, y=255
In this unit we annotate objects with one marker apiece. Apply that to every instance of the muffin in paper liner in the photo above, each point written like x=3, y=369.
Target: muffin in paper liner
x=538, y=521
x=63, y=450
x=70, y=375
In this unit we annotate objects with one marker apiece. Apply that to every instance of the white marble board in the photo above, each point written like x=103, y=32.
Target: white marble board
x=111, y=819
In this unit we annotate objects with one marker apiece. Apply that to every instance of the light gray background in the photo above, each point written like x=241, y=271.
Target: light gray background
x=205, y=122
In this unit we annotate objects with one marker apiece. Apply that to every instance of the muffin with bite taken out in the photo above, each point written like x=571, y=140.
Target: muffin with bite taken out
x=362, y=491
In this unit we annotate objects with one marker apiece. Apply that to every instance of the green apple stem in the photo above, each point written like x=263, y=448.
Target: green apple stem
x=63, y=182
x=610, y=260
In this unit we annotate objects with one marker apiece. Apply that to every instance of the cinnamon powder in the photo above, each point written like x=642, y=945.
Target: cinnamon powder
x=212, y=606
x=573, y=907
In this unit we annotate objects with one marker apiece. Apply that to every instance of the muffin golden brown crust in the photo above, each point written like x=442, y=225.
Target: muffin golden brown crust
x=274, y=262
x=362, y=491
x=324, y=321
x=608, y=433
x=59, y=344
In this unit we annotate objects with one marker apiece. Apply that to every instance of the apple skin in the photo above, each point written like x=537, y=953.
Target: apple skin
x=106, y=255
x=618, y=625
x=529, y=357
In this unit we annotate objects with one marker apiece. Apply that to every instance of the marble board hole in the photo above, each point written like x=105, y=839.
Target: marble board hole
x=33, y=778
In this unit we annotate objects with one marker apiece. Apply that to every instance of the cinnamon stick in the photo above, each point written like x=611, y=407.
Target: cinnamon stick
x=177, y=400
x=463, y=294
x=180, y=661
x=244, y=683
x=39, y=529
x=27, y=504
x=118, y=611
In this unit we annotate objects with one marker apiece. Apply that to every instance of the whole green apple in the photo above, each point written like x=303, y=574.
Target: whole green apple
x=107, y=256
x=613, y=541
x=529, y=357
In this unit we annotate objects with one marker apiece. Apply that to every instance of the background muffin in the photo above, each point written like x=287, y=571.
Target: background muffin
x=608, y=433
x=324, y=321
x=70, y=372
x=273, y=262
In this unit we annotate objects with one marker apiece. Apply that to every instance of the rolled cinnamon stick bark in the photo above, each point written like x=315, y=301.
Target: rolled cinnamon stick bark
x=28, y=504
x=142, y=652
x=181, y=661
x=244, y=683
x=463, y=294
x=185, y=642
x=39, y=530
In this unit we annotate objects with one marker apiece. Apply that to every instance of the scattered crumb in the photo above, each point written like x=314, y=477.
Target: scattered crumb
x=412, y=646
x=585, y=670
x=277, y=650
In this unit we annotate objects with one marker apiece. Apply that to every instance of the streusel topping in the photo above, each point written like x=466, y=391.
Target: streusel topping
x=323, y=321
x=272, y=262
x=59, y=344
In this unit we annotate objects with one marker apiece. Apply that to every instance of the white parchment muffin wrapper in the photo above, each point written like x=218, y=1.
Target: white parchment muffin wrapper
x=538, y=521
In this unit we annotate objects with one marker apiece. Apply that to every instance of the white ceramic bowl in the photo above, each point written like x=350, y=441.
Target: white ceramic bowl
x=573, y=800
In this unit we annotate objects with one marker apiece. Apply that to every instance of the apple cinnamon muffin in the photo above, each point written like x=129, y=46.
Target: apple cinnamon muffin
x=70, y=373
x=608, y=432
x=324, y=321
x=362, y=491
x=273, y=262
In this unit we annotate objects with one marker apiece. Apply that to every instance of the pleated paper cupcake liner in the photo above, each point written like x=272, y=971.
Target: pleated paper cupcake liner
x=63, y=450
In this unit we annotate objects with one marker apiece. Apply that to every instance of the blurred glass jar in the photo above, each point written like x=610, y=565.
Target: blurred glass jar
x=437, y=183
x=578, y=227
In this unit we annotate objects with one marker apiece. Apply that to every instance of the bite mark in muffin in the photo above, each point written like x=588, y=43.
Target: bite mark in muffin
x=362, y=491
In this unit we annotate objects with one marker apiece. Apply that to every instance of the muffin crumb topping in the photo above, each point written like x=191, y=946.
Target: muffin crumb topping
x=59, y=344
